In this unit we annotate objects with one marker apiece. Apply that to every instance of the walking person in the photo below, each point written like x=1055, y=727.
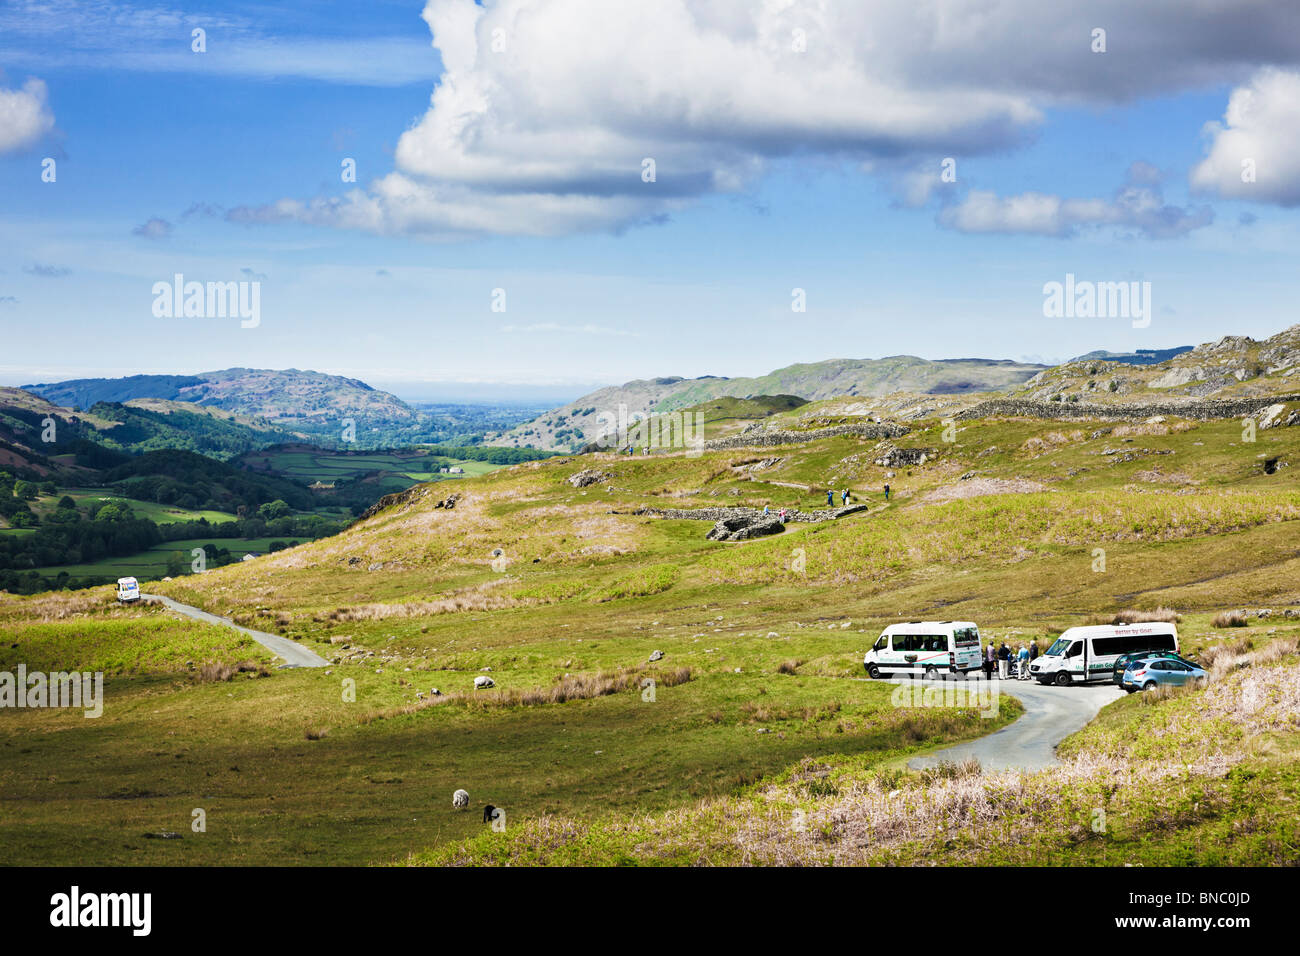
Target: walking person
x=886, y=492
x=988, y=662
x=1023, y=657
x=1004, y=660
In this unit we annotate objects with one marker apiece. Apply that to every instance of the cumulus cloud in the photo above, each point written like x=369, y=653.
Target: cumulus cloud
x=1255, y=152
x=547, y=109
x=154, y=228
x=1137, y=205
x=24, y=115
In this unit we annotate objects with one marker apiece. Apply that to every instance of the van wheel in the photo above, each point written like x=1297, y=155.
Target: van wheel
x=874, y=672
x=1063, y=679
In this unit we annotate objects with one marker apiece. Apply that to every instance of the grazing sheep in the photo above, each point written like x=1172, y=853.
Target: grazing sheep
x=491, y=813
x=483, y=681
x=460, y=799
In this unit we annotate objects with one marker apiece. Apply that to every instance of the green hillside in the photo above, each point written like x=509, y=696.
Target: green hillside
x=560, y=592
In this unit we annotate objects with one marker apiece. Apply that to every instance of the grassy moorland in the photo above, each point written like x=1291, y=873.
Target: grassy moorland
x=1026, y=527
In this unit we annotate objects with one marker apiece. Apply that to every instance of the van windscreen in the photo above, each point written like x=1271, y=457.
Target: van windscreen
x=1057, y=648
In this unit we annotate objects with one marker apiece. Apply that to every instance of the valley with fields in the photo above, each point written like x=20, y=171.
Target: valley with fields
x=561, y=638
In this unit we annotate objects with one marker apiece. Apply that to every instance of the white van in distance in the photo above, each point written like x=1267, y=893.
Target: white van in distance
x=1088, y=653
x=925, y=647
x=128, y=590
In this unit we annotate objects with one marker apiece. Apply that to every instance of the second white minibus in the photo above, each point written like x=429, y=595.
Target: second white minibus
x=1088, y=653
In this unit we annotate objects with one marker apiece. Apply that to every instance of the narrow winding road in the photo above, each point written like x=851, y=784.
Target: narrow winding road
x=1029, y=743
x=292, y=653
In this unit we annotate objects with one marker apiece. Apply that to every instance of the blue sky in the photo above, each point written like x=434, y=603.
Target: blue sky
x=225, y=165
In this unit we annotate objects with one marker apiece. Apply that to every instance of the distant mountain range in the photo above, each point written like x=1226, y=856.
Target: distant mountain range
x=574, y=424
x=285, y=397
x=296, y=403
x=1139, y=357
x=228, y=411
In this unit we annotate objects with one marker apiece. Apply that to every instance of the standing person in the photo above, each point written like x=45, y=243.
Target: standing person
x=830, y=498
x=1004, y=660
x=1023, y=656
x=765, y=511
x=1033, y=650
x=845, y=497
x=782, y=516
x=988, y=662
x=886, y=492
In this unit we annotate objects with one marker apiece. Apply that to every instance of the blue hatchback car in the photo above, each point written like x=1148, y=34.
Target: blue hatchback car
x=1146, y=673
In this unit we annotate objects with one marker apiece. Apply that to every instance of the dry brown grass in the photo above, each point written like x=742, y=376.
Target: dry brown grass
x=1230, y=619
x=1162, y=615
x=478, y=598
x=1150, y=428
x=1237, y=655
x=59, y=605
x=215, y=671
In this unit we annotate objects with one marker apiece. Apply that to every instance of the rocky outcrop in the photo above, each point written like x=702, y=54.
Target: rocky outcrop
x=762, y=437
x=1205, y=410
x=889, y=455
x=588, y=476
x=744, y=527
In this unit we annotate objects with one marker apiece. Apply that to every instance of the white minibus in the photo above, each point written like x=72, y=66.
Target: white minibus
x=1088, y=653
x=925, y=647
x=128, y=590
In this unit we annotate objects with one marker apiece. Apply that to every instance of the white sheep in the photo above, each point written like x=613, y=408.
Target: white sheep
x=460, y=799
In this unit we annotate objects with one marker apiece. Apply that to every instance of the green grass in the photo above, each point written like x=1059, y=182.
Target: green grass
x=152, y=564
x=158, y=513
x=410, y=600
x=151, y=643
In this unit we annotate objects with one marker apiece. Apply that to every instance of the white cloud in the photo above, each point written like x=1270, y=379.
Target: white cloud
x=547, y=108
x=1137, y=205
x=24, y=115
x=1262, y=126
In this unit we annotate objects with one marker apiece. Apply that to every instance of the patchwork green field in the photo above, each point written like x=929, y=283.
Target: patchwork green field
x=159, y=513
x=396, y=470
x=153, y=562
x=560, y=594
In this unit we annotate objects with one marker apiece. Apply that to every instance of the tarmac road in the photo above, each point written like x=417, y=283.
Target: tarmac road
x=1051, y=714
x=292, y=653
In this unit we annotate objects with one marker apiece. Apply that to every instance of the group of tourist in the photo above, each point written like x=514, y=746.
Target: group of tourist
x=1000, y=658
